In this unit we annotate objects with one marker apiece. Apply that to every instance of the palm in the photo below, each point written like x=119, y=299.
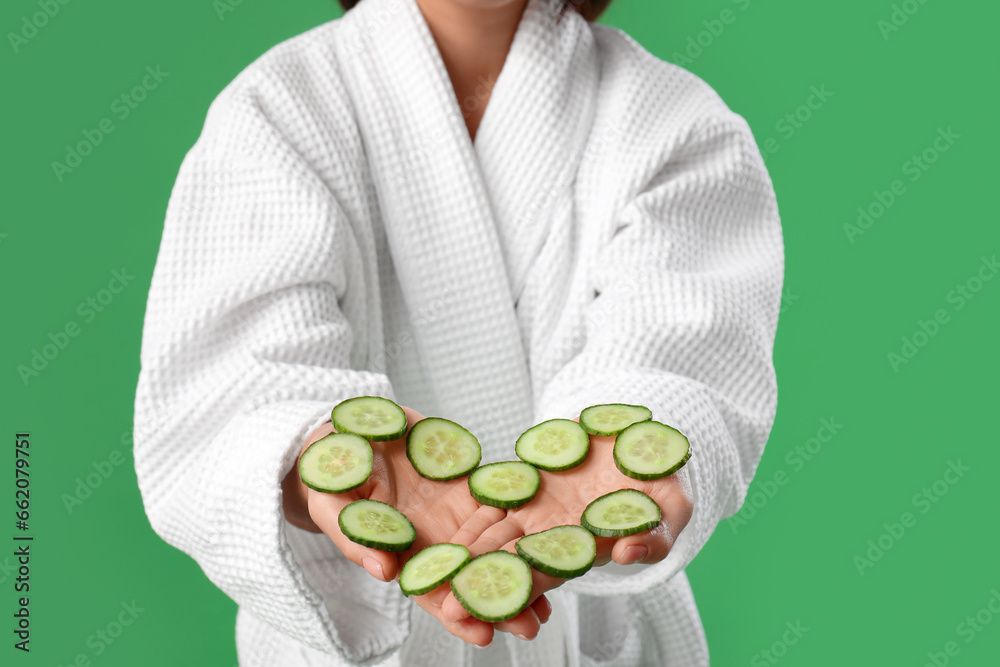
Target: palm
x=438, y=510
x=563, y=496
x=561, y=500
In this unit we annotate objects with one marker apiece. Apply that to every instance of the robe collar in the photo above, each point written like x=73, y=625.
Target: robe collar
x=464, y=221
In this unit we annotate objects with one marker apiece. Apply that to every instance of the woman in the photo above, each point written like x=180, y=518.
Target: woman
x=492, y=211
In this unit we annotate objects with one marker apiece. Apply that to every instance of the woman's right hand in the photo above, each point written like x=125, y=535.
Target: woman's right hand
x=438, y=510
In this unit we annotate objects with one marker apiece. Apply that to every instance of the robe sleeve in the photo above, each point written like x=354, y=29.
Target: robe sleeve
x=246, y=347
x=688, y=289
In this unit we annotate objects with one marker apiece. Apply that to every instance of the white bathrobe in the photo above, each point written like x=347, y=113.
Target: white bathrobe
x=610, y=236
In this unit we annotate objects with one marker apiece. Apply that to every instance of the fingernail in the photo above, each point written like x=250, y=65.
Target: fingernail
x=482, y=647
x=374, y=568
x=520, y=636
x=634, y=554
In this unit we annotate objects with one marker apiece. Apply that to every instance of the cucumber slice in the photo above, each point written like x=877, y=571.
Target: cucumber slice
x=621, y=513
x=507, y=484
x=651, y=450
x=493, y=587
x=564, y=551
x=556, y=444
x=440, y=449
x=612, y=418
x=431, y=567
x=372, y=523
x=336, y=463
x=372, y=417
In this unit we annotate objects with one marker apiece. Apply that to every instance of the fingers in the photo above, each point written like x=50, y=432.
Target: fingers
x=486, y=530
x=674, y=497
x=500, y=535
x=481, y=521
x=649, y=547
x=321, y=431
x=470, y=630
x=324, y=508
x=523, y=626
x=452, y=610
x=412, y=417
x=543, y=608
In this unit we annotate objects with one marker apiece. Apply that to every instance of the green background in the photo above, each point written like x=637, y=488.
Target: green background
x=848, y=304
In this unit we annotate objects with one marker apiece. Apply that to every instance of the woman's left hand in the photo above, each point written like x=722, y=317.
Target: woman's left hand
x=561, y=500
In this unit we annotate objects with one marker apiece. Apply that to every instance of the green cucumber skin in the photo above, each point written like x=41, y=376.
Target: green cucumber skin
x=559, y=468
x=621, y=532
x=607, y=532
x=548, y=569
x=380, y=546
x=341, y=490
x=420, y=472
x=411, y=592
x=649, y=477
x=489, y=619
x=549, y=468
x=594, y=431
x=377, y=438
x=375, y=544
x=501, y=504
x=423, y=590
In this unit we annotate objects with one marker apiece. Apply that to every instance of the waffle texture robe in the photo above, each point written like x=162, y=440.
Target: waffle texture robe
x=611, y=235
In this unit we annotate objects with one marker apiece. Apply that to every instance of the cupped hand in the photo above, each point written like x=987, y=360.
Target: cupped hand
x=438, y=510
x=562, y=498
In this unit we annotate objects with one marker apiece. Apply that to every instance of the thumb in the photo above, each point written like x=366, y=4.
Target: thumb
x=649, y=547
x=325, y=510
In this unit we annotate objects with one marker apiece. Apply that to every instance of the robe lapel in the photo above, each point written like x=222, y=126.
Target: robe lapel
x=535, y=128
x=438, y=221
